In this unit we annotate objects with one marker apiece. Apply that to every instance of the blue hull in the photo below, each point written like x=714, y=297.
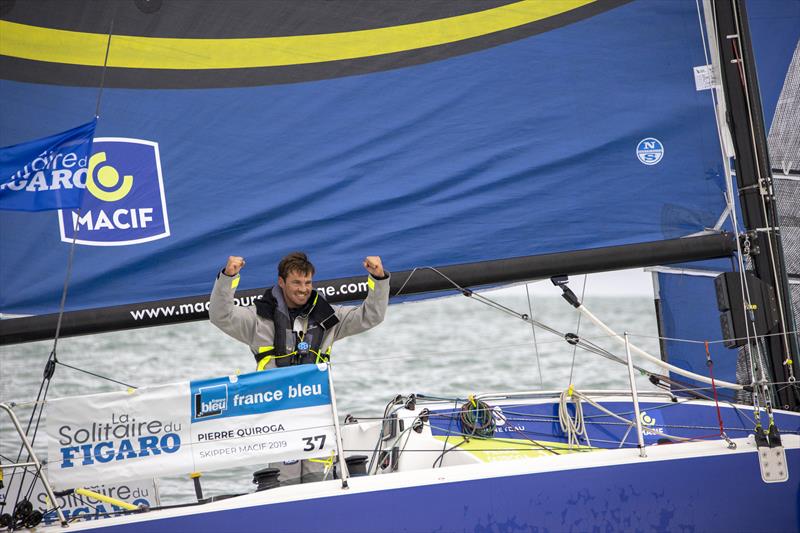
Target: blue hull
x=720, y=493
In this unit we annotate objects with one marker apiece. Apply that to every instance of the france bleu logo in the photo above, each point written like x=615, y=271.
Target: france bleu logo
x=124, y=201
x=210, y=401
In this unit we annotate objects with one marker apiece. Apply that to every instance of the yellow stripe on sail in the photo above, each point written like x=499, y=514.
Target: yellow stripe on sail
x=80, y=48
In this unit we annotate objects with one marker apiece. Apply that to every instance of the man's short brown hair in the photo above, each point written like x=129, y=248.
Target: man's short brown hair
x=295, y=262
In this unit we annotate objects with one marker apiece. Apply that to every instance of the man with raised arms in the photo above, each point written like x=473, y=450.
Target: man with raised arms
x=292, y=324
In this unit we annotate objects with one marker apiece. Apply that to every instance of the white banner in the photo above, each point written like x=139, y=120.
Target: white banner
x=142, y=492
x=275, y=415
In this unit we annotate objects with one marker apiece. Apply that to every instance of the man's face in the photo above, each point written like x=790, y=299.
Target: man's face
x=296, y=288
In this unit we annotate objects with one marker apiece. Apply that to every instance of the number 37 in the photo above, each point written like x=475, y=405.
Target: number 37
x=310, y=443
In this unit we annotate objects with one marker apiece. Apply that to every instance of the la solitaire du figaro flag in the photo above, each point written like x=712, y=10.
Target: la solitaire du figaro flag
x=48, y=173
x=274, y=415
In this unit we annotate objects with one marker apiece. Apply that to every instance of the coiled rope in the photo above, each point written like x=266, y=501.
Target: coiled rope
x=573, y=427
x=476, y=419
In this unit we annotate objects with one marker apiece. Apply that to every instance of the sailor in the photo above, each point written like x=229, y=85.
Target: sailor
x=293, y=324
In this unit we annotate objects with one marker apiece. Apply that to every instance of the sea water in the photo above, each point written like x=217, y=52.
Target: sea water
x=445, y=347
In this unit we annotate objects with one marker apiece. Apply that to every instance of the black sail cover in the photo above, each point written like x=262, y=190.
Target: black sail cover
x=431, y=133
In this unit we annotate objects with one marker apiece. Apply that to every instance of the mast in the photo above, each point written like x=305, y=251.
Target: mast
x=755, y=186
x=420, y=280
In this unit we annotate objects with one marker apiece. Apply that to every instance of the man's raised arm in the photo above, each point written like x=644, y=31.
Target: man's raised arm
x=373, y=309
x=238, y=322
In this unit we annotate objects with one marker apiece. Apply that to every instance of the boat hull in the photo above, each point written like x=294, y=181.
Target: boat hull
x=715, y=489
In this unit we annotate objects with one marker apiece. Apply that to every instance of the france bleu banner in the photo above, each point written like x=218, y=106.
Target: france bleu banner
x=274, y=415
x=47, y=173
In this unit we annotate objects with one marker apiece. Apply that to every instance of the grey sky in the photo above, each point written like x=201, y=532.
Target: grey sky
x=633, y=282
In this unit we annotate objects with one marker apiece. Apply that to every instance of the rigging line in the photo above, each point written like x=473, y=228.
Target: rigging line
x=403, y=286
x=43, y=387
x=105, y=64
x=64, y=290
x=535, y=344
x=36, y=475
x=6, y=458
x=512, y=415
x=586, y=345
x=97, y=375
x=721, y=132
x=632, y=422
x=440, y=459
x=46, y=385
x=523, y=433
x=714, y=388
x=53, y=358
x=526, y=318
x=788, y=385
x=577, y=332
x=702, y=32
x=588, y=341
x=472, y=349
x=653, y=359
x=496, y=305
x=527, y=448
x=524, y=442
x=463, y=290
x=738, y=52
x=651, y=408
x=693, y=341
x=444, y=445
x=53, y=355
x=771, y=235
x=395, y=401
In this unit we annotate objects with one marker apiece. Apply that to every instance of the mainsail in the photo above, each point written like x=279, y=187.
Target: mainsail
x=550, y=132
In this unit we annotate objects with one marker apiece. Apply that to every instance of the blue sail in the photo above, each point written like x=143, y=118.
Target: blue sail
x=574, y=137
x=687, y=300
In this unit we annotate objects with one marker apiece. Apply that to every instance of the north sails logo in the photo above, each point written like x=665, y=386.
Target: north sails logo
x=650, y=151
x=124, y=201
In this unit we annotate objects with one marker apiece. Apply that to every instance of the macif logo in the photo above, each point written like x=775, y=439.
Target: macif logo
x=210, y=401
x=124, y=201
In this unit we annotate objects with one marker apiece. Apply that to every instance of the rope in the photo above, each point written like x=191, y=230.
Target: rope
x=577, y=332
x=533, y=331
x=476, y=419
x=575, y=427
x=97, y=375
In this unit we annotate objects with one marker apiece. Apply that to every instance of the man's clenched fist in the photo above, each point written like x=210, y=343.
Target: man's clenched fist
x=235, y=264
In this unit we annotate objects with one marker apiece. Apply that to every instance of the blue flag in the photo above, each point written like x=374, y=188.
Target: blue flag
x=48, y=173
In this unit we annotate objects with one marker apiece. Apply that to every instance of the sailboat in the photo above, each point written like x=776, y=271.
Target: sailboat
x=479, y=145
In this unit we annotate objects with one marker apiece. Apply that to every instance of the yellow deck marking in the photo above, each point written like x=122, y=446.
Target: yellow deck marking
x=497, y=449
